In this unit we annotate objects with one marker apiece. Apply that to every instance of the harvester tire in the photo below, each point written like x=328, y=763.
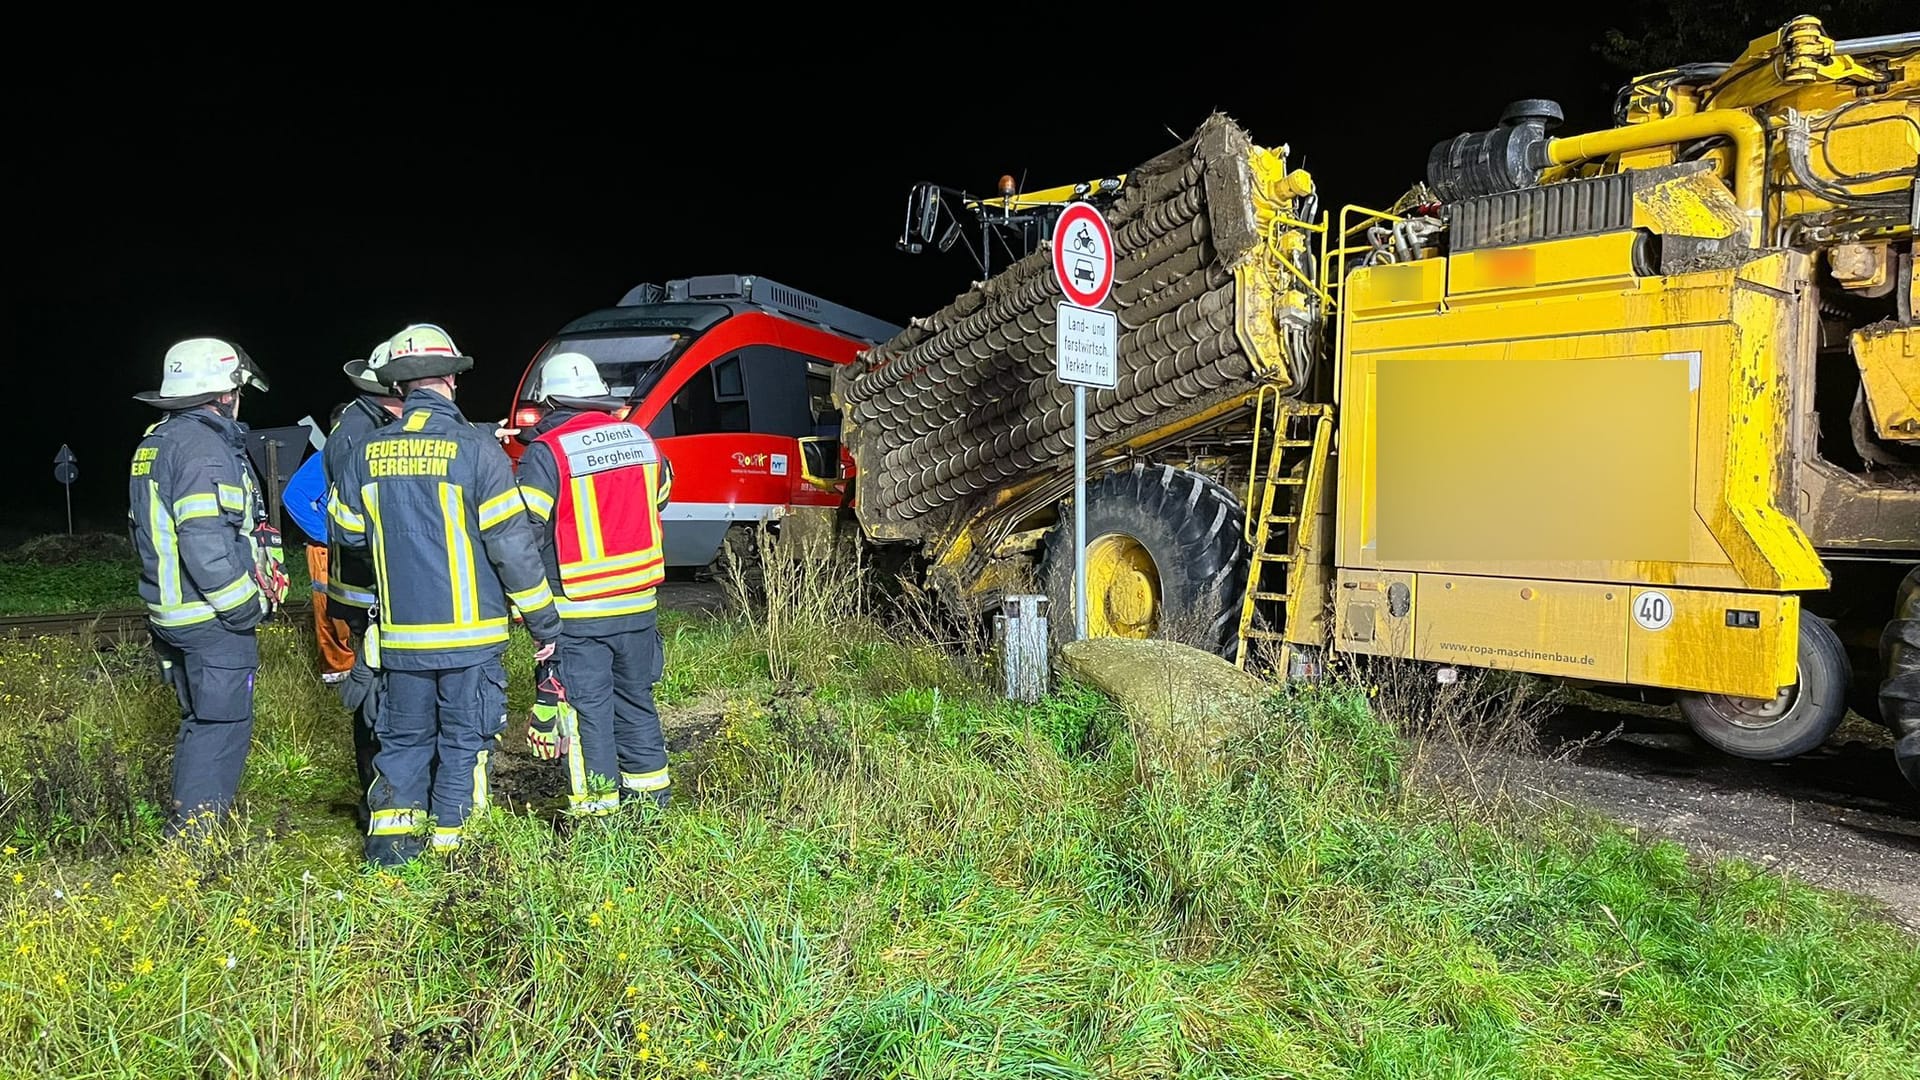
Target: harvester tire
x=1900, y=694
x=1187, y=526
x=1794, y=723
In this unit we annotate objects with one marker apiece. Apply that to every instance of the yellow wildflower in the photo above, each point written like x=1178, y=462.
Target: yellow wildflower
x=25, y=949
x=143, y=966
x=622, y=958
x=644, y=1054
x=11, y=850
x=18, y=878
x=634, y=991
x=606, y=905
x=700, y=1066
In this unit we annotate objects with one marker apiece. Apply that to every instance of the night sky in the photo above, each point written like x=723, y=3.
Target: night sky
x=308, y=208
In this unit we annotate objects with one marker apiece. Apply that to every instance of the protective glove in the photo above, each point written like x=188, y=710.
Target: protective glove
x=270, y=567
x=545, y=734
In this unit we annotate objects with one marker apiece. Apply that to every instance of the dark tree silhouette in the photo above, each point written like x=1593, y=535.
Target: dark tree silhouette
x=1653, y=35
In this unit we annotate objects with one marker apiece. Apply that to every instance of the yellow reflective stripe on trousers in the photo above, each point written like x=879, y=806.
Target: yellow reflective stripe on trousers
x=392, y=822
x=500, y=508
x=460, y=575
x=446, y=837
x=637, y=603
x=538, y=502
x=479, y=783
x=188, y=507
x=442, y=635
x=232, y=595
x=649, y=781
x=598, y=804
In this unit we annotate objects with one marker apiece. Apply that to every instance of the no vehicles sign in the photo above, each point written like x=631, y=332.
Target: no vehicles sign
x=1083, y=255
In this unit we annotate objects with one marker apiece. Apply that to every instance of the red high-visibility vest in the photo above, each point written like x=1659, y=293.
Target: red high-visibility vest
x=606, y=526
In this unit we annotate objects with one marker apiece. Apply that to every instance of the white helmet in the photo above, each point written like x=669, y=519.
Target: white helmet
x=571, y=378
x=360, y=375
x=198, y=370
x=421, y=351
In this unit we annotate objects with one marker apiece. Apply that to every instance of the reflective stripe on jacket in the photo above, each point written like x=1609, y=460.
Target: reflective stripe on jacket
x=350, y=577
x=193, y=503
x=597, y=483
x=433, y=499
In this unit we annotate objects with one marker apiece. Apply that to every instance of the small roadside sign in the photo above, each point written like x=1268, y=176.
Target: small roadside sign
x=1085, y=346
x=66, y=469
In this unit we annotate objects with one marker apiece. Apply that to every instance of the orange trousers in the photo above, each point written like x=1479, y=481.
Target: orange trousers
x=335, y=640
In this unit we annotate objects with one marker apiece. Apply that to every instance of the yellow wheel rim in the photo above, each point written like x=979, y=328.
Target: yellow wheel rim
x=1123, y=588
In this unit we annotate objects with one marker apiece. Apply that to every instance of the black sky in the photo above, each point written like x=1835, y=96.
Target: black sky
x=307, y=208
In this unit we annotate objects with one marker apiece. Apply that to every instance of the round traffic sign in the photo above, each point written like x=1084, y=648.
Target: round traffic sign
x=66, y=472
x=1083, y=255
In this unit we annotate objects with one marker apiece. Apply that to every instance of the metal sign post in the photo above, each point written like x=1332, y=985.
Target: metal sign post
x=1085, y=353
x=66, y=470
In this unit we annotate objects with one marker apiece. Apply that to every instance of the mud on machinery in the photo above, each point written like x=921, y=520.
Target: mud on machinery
x=1638, y=407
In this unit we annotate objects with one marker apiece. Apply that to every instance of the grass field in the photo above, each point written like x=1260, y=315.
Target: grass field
x=873, y=868
x=92, y=572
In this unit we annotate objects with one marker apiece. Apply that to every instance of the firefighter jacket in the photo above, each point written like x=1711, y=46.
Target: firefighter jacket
x=598, y=484
x=193, y=504
x=350, y=578
x=432, y=498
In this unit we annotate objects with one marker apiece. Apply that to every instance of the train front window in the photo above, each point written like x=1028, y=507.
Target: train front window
x=628, y=362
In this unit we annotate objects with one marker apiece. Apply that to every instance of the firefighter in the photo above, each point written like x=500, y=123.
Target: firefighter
x=598, y=484
x=211, y=567
x=431, y=498
x=350, y=578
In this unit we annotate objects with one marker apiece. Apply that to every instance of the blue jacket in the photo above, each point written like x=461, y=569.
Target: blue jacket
x=433, y=499
x=193, y=503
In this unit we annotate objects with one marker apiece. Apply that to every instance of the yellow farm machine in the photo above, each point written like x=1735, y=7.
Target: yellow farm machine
x=1638, y=407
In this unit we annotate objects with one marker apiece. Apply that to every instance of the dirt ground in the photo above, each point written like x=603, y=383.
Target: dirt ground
x=1840, y=817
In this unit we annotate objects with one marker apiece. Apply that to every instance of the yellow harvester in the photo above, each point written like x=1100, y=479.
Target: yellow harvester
x=1638, y=407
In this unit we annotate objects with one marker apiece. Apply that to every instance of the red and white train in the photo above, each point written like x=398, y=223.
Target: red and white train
x=731, y=375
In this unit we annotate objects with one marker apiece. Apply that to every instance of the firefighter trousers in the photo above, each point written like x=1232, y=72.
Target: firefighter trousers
x=361, y=693
x=437, y=731
x=211, y=670
x=609, y=682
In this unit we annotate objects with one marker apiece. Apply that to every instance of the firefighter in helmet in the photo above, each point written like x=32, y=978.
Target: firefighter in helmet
x=598, y=483
x=350, y=577
x=432, y=499
x=211, y=567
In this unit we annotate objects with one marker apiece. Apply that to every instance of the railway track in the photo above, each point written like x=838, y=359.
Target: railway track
x=102, y=625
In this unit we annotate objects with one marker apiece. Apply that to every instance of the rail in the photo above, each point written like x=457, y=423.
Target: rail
x=101, y=625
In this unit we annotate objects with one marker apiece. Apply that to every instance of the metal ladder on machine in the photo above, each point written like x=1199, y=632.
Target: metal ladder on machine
x=1277, y=526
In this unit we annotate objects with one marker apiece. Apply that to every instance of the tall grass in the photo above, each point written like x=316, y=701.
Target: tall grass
x=876, y=869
